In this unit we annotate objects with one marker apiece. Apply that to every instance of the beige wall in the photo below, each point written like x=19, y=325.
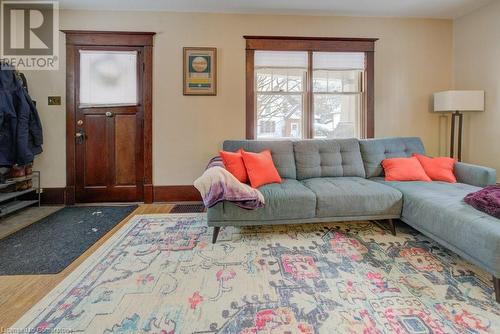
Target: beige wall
x=477, y=66
x=412, y=60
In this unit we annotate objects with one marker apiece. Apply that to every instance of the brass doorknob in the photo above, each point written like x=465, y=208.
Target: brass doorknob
x=109, y=114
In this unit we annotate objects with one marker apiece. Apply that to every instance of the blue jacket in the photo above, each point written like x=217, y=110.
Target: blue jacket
x=20, y=127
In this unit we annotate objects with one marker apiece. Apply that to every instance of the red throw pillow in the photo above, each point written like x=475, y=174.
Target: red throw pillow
x=438, y=169
x=233, y=161
x=404, y=169
x=260, y=168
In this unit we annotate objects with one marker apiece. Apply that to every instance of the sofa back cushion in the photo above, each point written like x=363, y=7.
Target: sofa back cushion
x=328, y=158
x=281, y=150
x=373, y=151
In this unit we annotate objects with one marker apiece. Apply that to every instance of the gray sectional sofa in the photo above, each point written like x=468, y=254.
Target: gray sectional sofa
x=342, y=180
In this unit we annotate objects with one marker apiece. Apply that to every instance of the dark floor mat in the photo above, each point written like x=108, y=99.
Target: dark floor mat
x=188, y=208
x=51, y=244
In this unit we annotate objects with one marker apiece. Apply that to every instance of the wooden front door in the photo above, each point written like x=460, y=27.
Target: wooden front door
x=111, y=97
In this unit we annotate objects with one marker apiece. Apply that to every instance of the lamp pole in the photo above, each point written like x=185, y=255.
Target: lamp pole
x=452, y=142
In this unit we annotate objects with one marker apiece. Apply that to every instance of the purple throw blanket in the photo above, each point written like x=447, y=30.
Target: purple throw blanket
x=217, y=185
x=486, y=200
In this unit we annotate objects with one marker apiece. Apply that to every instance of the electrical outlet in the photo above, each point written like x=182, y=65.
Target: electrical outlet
x=54, y=100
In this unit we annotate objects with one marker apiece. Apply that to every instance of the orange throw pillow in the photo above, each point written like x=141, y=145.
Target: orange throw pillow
x=404, y=169
x=260, y=168
x=438, y=169
x=233, y=161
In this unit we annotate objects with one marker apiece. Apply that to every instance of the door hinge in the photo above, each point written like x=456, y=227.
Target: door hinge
x=143, y=67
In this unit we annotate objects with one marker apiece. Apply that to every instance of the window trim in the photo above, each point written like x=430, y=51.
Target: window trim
x=311, y=44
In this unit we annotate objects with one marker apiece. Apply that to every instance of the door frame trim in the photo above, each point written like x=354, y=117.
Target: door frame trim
x=78, y=38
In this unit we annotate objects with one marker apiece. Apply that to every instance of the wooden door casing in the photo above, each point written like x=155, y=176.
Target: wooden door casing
x=113, y=163
x=112, y=145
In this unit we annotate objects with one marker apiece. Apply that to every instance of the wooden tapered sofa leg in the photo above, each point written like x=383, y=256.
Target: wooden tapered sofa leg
x=216, y=233
x=496, y=285
x=392, y=225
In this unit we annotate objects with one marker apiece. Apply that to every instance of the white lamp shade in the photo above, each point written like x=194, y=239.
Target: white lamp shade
x=459, y=100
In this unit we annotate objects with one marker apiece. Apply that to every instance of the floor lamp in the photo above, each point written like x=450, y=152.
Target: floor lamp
x=457, y=102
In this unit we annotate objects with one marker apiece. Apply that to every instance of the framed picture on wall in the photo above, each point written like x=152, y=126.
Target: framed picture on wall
x=200, y=71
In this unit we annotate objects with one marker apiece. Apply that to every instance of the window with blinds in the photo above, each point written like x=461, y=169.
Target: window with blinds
x=280, y=93
x=286, y=102
x=337, y=94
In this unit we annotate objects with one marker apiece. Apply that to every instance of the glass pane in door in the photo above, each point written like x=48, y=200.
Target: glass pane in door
x=108, y=78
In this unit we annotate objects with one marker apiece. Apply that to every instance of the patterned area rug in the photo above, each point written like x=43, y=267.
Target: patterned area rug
x=161, y=274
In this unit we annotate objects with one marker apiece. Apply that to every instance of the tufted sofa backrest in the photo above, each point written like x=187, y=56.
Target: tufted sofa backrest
x=309, y=158
x=374, y=151
x=328, y=158
x=281, y=150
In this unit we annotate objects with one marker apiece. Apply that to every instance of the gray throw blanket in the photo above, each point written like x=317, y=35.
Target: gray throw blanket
x=217, y=185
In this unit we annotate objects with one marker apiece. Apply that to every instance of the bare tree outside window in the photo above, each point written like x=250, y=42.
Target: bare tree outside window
x=280, y=100
x=281, y=92
x=337, y=103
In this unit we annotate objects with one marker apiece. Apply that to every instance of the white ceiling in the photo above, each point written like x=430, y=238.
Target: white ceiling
x=404, y=8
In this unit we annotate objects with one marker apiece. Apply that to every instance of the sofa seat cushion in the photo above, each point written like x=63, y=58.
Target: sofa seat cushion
x=287, y=200
x=438, y=210
x=353, y=196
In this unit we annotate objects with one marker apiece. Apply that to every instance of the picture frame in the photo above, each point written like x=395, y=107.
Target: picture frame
x=200, y=71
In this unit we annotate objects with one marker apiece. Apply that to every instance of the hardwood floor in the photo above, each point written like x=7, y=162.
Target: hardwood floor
x=19, y=293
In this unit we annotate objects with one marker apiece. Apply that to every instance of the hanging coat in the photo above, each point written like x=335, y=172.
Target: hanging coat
x=21, y=135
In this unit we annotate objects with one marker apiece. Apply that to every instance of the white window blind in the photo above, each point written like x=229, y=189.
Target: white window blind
x=277, y=59
x=108, y=77
x=339, y=60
